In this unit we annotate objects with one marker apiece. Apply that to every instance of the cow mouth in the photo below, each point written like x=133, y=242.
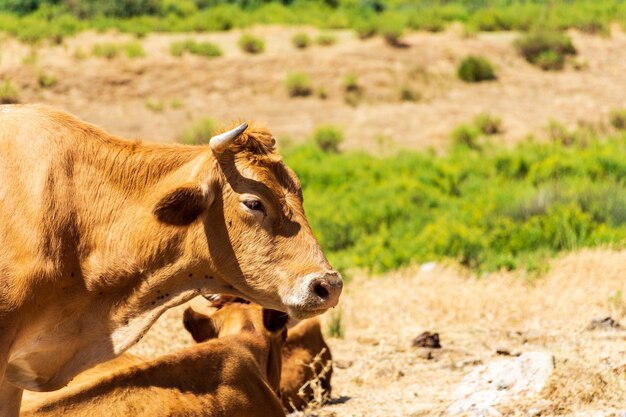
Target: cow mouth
x=301, y=313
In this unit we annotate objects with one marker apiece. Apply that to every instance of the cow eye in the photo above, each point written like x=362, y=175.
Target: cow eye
x=255, y=205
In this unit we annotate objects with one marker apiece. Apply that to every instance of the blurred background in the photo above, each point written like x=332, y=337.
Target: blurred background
x=462, y=163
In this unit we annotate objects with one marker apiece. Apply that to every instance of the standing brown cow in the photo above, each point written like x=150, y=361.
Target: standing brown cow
x=100, y=235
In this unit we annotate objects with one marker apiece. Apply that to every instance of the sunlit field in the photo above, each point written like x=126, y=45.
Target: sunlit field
x=462, y=165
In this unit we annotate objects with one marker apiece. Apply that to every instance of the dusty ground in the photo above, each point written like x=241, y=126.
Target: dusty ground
x=113, y=93
x=381, y=374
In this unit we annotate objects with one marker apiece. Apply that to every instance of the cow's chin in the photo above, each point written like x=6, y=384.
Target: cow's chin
x=300, y=313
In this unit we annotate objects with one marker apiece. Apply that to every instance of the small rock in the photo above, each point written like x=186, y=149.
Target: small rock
x=533, y=412
x=428, y=267
x=489, y=385
x=604, y=323
x=427, y=340
x=505, y=352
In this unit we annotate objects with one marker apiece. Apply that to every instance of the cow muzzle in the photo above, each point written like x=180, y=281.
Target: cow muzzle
x=314, y=294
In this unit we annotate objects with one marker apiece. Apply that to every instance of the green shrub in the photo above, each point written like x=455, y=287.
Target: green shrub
x=408, y=94
x=301, y=40
x=106, y=50
x=474, y=69
x=251, y=44
x=617, y=118
x=325, y=39
x=335, y=324
x=298, y=84
x=112, y=50
x=200, y=132
x=547, y=50
x=191, y=46
x=488, y=124
x=9, y=94
x=351, y=83
x=353, y=90
x=134, y=50
x=155, y=105
x=328, y=138
x=392, y=28
x=46, y=80
x=180, y=8
x=466, y=135
x=366, y=29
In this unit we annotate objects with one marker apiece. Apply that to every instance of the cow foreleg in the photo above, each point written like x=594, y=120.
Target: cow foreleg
x=10, y=399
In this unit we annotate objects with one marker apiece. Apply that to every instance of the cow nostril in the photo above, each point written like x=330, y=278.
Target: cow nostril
x=321, y=291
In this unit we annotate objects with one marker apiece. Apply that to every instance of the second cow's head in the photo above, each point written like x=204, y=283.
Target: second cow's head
x=248, y=205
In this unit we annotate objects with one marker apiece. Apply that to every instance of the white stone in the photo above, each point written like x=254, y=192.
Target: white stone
x=499, y=381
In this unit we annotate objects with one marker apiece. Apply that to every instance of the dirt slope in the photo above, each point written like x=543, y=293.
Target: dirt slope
x=113, y=93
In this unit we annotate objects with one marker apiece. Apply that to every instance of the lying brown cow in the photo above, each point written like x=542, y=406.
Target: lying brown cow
x=306, y=358
x=307, y=366
x=235, y=375
x=100, y=235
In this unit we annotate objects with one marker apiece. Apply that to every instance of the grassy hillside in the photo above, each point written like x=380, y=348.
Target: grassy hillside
x=488, y=208
x=33, y=20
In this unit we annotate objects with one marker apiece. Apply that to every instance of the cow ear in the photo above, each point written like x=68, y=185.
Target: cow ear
x=183, y=205
x=273, y=320
x=200, y=326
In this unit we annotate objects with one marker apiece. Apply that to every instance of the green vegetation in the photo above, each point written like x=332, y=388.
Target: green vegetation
x=353, y=90
x=325, y=39
x=9, y=94
x=335, y=324
x=391, y=28
x=490, y=209
x=328, y=138
x=474, y=69
x=251, y=44
x=547, y=50
x=409, y=94
x=46, y=80
x=155, y=105
x=301, y=40
x=298, y=84
x=112, y=50
x=488, y=124
x=35, y=20
x=617, y=118
x=466, y=135
x=200, y=132
x=206, y=49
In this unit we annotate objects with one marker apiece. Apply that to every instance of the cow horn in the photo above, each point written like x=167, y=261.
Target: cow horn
x=221, y=142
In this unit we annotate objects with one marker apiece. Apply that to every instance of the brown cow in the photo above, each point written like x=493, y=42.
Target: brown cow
x=237, y=374
x=307, y=366
x=100, y=235
x=306, y=358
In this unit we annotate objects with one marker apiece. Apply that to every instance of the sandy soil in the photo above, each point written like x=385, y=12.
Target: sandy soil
x=379, y=373
x=113, y=93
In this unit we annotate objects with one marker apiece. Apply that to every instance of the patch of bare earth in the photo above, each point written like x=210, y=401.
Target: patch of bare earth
x=379, y=373
x=113, y=93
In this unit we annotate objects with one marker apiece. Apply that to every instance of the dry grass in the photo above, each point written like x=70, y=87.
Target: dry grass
x=320, y=369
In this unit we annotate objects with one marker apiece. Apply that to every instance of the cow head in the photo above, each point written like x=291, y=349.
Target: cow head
x=235, y=318
x=259, y=241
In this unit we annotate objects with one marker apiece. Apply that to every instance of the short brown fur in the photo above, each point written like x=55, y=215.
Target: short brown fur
x=100, y=235
x=220, y=377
